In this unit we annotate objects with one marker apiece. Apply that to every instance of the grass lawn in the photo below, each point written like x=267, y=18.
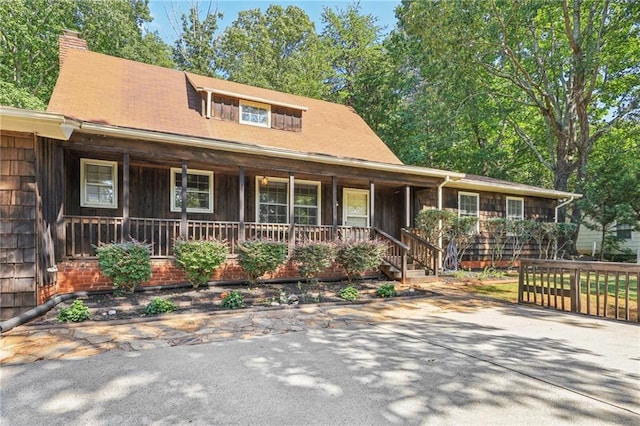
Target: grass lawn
x=507, y=291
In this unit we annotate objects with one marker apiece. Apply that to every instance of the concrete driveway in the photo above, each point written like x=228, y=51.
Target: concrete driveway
x=497, y=365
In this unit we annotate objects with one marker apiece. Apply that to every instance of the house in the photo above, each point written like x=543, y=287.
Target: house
x=589, y=241
x=130, y=149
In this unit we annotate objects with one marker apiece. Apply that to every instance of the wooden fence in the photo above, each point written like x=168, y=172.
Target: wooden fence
x=602, y=289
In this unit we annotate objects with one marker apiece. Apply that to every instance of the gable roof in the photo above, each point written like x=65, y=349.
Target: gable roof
x=106, y=90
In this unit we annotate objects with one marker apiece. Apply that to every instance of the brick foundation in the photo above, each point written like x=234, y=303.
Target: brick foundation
x=85, y=275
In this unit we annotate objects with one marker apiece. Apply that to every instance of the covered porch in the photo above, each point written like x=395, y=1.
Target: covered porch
x=132, y=191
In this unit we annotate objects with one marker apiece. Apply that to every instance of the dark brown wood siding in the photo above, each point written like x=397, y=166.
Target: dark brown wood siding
x=282, y=118
x=150, y=192
x=286, y=118
x=493, y=204
x=225, y=108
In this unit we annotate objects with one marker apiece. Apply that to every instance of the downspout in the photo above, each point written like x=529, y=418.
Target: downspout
x=555, y=220
x=569, y=201
x=447, y=179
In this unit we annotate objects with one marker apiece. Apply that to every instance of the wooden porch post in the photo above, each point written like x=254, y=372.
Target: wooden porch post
x=334, y=205
x=126, y=224
x=241, y=230
x=372, y=204
x=407, y=206
x=183, y=197
x=291, y=210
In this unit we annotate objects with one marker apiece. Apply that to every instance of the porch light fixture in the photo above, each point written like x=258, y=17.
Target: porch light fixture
x=264, y=181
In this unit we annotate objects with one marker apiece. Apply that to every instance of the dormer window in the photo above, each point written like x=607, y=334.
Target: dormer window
x=255, y=114
x=228, y=106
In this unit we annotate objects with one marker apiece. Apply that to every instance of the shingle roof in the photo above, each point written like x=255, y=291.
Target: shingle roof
x=107, y=90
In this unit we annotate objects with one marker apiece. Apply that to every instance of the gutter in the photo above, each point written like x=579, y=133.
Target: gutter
x=240, y=148
x=46, y=124
x=564, y=203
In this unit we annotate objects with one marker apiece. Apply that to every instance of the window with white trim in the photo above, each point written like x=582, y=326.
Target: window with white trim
x=306, y=203
x=468, y=204
x=515, y=208
x=273, y=201
x=255, y=114
x=98, y=183
x=624, y=231
x=199, y=191
x=355, y=207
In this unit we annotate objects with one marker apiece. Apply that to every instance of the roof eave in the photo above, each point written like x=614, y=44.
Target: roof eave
x=244, y=96
x=228, y=146
x=472, y=184
x=46, y=124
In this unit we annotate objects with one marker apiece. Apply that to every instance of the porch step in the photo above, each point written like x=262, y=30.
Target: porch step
x=395, y=274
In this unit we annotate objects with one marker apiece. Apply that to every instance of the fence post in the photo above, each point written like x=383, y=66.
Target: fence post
x=403, y=276
x=521, y=282
x=574, y=290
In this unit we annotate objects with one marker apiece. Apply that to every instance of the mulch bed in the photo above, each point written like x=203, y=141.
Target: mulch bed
x=108, y=307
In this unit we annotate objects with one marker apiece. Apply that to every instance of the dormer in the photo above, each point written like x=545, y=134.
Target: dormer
x=248, y=109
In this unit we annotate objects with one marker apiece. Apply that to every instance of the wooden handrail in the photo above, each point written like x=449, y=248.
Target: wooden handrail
x=421, y=251
x=422, y=240
x=392, y=239
x=396, y=249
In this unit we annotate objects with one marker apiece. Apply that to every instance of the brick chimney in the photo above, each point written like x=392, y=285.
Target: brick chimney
x=70, y=40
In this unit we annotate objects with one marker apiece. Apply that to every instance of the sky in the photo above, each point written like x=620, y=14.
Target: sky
x=166, y=13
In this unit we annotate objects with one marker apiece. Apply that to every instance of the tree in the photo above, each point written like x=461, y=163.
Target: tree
x=351, y=42
x=194, y=50
x=277, y=50
x=568, y=69
x=610, y=191
x=29, y=40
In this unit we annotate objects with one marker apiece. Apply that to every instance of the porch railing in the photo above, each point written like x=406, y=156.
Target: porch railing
x=601, y=289
x=396, y=253
x=421, y=251
x=83, y=233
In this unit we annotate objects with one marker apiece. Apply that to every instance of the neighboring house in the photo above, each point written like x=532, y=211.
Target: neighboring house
x=120, y=140
x=589, y=241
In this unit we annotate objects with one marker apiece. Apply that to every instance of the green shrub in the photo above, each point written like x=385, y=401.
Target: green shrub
x=78, y=312
x=199, y=258
x=349, y=293
x=358, y=256
x=160, y=306
x=258, y=257
x=428, y=223
x=490, y=273
x=127, y=264
x=313, y=258
x=233, y=300
x=386, y=290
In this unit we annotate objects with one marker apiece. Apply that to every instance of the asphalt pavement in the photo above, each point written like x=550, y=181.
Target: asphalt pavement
x=504, y=364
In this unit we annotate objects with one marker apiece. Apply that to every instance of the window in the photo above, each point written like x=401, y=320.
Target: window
x=273, y=201
x=515, y=208
x=306, y=201
x=255, y=114
x=199, y=191
x=355, y=211
x=98, y=183
x=469, y=206
x=624, y=232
